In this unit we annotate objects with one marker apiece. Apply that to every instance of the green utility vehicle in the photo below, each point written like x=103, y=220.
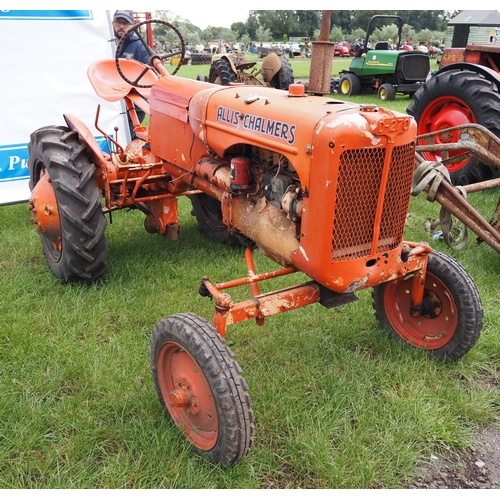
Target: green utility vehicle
x=383, y=69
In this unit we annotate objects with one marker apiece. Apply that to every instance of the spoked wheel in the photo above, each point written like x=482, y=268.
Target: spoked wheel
x=449, y=99
x=200, y=386
x=66, y=205
x=178, y=51
x=452, y=319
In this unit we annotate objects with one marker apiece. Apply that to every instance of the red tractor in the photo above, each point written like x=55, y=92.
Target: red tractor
x=465, y=90
x=318, y=185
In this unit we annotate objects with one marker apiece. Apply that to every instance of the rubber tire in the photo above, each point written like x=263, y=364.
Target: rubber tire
x=353, y=84
x=391, y=305
x=207, y=211
x=188, y=334
x=387, y=92
x=222, y=73
x=83, y=242
x=284, y=77
x=480, y=95
x=197, y=59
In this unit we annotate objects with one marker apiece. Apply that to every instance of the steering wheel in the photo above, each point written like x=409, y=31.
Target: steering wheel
x=152, y=54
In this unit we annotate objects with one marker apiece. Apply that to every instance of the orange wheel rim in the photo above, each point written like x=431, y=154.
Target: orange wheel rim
x=430, y=330
x=45, y=212
x=188, y=396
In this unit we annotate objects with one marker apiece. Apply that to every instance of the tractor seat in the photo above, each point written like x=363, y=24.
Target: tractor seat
x=382, y=46
x=108, y=83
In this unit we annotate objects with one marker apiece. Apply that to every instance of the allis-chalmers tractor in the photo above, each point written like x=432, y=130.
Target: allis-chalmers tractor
x=318, y=185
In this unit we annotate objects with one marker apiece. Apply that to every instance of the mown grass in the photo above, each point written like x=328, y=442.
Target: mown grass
x=338, y=403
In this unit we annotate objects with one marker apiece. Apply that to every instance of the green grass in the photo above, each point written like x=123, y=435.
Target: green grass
x=338, y=403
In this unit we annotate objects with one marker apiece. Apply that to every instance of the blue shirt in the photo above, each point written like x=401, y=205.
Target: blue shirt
x=133, y=48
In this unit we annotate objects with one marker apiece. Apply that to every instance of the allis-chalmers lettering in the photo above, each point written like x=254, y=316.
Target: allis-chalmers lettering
x=275, y=128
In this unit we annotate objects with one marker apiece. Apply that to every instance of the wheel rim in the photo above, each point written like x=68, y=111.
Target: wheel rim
x=445, y=112
x=345, y=86
x=383, y=94
x=45, y=214
x=188, y=396
x=435, y=327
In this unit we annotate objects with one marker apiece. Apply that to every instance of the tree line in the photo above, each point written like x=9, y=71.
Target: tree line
x=281, y=25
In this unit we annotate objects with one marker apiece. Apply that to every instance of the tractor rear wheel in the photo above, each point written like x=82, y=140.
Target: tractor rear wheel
x=66, y=205
x=350, y=84
x=284, y=78
x=456, y=98
x=452, y=319
x=200, y=386
x=222, y=73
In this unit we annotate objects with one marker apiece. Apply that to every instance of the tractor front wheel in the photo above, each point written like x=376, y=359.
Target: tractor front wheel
x=200, y=386
x=350, y=84
x=208, y=213
x=452, y=316
x=449, y=99
x=66, y=205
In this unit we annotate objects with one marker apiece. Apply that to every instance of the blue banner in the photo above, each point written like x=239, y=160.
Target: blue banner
x=14, y=160
x=49, y=15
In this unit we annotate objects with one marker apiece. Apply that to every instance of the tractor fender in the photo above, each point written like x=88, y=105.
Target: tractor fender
x=95, y=152
x=488, y=73
x=270, y=66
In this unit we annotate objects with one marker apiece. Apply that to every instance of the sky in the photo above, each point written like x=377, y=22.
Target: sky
x=220, y=17
x=219, y=13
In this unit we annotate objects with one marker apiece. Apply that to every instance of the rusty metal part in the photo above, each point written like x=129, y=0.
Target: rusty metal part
x=261, y=306
x=44, y=211
x=474, y=140
x=320, y=73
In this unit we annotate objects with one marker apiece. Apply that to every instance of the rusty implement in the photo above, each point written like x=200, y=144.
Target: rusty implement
x=432, y=177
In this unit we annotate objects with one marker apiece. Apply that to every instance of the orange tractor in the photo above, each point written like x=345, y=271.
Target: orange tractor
x=318, y=185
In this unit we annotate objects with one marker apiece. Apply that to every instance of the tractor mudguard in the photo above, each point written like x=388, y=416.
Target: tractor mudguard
x=95, y=152
x=270, y=66
x=488, y=73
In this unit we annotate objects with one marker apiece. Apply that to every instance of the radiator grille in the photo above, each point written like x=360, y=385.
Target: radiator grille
x=413, y=67
x=360, y=174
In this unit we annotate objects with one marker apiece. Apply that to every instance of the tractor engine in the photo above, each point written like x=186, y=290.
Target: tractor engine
x=316, y=183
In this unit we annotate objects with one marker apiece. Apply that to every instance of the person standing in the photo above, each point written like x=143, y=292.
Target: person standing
x=132, y=48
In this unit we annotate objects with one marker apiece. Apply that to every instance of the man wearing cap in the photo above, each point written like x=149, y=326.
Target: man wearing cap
x=132, y=48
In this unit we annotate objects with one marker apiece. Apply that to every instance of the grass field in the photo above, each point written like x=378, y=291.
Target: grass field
x=338, y=403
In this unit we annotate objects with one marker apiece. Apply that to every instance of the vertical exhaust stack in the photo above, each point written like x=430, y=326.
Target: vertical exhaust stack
x=322, y=59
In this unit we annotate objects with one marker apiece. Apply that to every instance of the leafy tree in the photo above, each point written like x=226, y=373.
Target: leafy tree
x=307, y=22
x=408, y=33
x=245, y=39
x=361, y=18
x=263, y=34
x=358, y=33
x=336, y=35
x=207, y=36
x=342, y=18
x=239, y=28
